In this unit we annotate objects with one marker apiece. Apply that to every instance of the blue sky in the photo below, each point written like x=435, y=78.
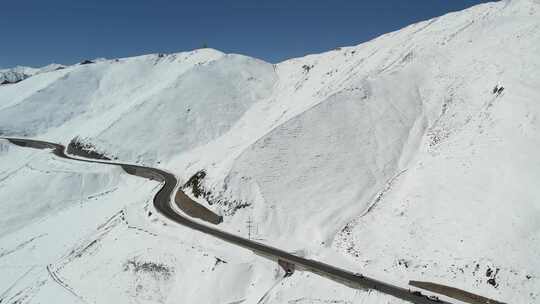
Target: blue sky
x=37, y=32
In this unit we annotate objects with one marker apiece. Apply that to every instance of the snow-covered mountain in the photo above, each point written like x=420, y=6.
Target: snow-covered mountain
x=20, y=73
x=414, y=156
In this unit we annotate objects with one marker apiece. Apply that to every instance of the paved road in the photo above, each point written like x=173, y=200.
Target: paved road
x=162, y=203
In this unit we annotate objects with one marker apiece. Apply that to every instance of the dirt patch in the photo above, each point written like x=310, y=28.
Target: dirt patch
x=455, y=293
x=196, y=210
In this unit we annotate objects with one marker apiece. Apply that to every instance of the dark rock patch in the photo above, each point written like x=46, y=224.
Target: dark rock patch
x=196, y=184
x=158, y=270
x=79, y=147
x=86, y=62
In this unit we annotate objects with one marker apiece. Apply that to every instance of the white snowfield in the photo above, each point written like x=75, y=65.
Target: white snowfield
x=393, y=158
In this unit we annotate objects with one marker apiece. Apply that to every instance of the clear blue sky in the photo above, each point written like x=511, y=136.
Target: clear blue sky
x=38, y=32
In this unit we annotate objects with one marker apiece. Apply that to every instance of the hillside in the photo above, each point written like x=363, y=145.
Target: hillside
x=395, y=158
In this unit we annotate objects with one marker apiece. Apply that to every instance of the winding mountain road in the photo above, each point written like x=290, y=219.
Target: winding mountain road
x=162, y=202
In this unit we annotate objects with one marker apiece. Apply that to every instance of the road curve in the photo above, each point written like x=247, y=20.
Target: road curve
x=162, y=203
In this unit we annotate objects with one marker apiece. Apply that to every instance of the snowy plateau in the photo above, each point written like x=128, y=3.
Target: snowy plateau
x=395, y=158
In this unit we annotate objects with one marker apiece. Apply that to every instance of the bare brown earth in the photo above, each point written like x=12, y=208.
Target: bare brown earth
x=195, y=210
x=453, y=292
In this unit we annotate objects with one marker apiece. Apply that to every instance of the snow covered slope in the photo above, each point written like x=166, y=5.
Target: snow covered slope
x=395, y=158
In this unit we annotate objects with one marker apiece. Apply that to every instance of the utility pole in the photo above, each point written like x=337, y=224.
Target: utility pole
x=249, y=226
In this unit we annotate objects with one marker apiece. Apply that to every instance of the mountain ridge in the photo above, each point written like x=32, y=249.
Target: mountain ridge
x=395, y=157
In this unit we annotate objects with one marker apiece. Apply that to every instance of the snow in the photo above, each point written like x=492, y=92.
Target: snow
x=20, y=73
x=392, y=158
